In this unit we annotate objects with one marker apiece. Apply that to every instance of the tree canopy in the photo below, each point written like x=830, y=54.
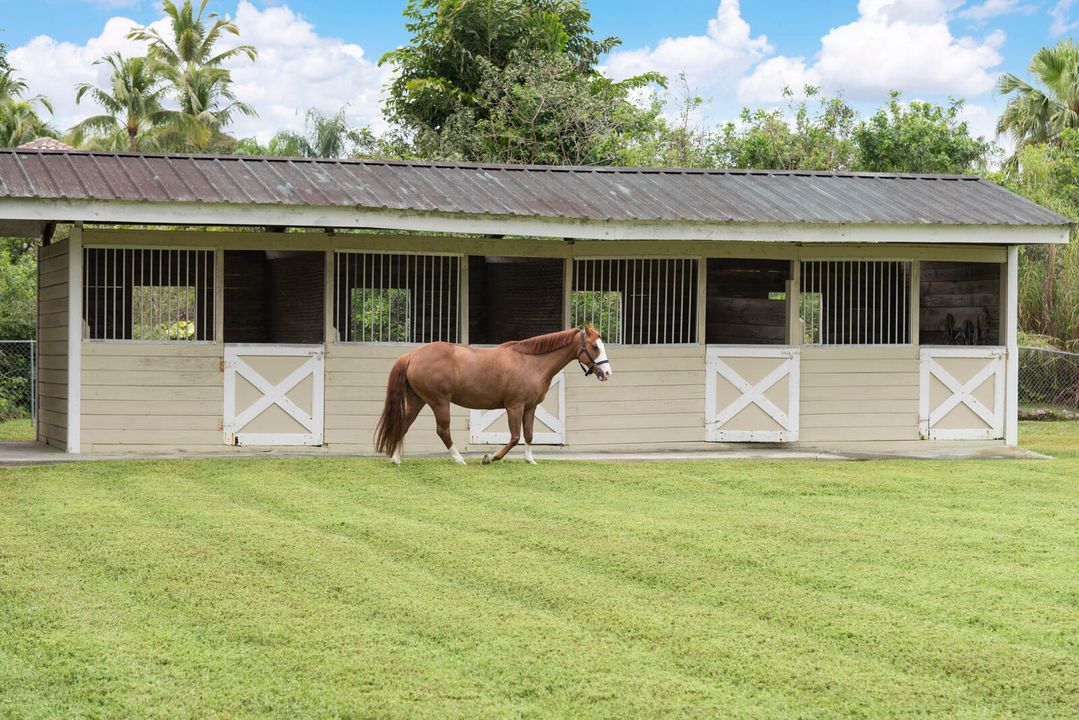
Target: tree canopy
x=509, y=80
x=1040, y=114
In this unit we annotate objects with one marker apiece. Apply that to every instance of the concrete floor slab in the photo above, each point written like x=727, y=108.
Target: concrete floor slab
x=29, y=453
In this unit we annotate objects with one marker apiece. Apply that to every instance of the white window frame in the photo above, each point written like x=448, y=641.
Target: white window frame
x=911, y=297
x=210, y=317
x=462, y=292
x=692, y=323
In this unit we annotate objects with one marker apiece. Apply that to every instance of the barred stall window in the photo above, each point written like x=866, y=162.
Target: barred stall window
x=856, y=302
x=637, y=302
x=396, y=297
x=148, y=294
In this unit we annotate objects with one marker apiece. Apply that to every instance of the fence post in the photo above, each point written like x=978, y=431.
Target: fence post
x=1011, y=340
x=33, y=384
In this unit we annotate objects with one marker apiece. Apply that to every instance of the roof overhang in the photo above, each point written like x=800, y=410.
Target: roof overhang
x=27, y=217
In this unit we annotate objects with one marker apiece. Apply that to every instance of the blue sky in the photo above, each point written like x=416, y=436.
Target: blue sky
x=323, y=54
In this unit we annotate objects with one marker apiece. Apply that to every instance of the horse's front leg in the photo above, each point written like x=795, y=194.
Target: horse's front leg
x=513, y=415
x=529, y=424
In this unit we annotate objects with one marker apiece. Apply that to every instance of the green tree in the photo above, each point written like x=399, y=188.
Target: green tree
x=540, y=110
x=323, y=136
x=19, y=118
x=134, y=115
x=188, y=57
x=1040, y=114
x=803, y=137
x=497, y=65
x=18, y=289
x=1048, y=174
x=919, y=137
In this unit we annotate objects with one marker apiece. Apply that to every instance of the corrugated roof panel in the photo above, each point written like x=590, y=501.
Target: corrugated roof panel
x=603, y=194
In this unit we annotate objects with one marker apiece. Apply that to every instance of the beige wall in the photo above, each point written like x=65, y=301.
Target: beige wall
x=52, y=328
x=143, y=397
x=858, y=394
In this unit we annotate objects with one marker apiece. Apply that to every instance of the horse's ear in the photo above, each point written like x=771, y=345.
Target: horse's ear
x=590, y=330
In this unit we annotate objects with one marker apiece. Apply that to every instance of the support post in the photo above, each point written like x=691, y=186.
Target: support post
x=219, y=298
x=567, y=289
x=702, y=300
x=915, y=324
x=795, y=330
x=328, y=305
x=463, y=292
x=1011, y=341
x=74, y=340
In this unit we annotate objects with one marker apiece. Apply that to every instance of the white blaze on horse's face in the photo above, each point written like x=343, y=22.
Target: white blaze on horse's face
x=603, y=369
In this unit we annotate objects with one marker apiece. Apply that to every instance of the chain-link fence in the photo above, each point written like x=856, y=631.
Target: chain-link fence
x=18, y=380
x=1048, y=379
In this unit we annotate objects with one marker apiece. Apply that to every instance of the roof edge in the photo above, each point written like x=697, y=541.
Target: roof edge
x=510, y=167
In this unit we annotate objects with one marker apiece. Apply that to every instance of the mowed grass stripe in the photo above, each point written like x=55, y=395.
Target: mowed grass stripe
x=345, y=587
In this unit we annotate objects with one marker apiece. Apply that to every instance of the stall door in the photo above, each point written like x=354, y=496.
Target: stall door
x=488, y=427
x=962, y=393
x=751, y=394
x=274, y=394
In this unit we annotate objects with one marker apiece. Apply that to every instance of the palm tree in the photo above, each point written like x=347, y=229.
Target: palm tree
x=323, y=136
x=1037, y=115
x=134, y=114
x=20, y=123
x=189, y=60
x=19, y=118
x=192, y=44
x=209, y=104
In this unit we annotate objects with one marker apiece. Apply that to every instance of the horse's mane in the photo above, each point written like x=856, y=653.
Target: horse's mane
x=543, y=344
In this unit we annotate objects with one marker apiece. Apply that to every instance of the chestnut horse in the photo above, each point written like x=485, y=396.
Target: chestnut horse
x=515, y=376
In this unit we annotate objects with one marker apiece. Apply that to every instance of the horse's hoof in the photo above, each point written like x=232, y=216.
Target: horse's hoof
x=530, y=461
x=487, y=459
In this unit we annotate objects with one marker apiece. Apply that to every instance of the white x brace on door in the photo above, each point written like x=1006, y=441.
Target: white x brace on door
x=751, y=394
x=274, y=394
x=552, y=417
x=962, y=393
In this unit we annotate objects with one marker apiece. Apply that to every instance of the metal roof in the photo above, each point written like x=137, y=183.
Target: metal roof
x=568, y=193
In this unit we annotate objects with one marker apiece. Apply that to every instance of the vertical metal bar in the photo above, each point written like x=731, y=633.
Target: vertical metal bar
x=123, y=294
x=105, y=294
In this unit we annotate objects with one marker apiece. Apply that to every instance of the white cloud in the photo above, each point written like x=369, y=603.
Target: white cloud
x=894, y=44
x=711, y=61
x=53, y=68
x=297, y=69
x=980, y=12
x=1059, y=12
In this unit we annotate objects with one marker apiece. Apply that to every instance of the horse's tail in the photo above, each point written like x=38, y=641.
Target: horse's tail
x=390, y=431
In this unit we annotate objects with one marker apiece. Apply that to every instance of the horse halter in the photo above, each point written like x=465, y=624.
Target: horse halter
x=584, y=349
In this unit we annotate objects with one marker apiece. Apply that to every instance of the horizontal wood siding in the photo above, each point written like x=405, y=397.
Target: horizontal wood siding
x=859, y=394
x=654, y=399
x=140, y=397
x=52, y=328
x=355, y=390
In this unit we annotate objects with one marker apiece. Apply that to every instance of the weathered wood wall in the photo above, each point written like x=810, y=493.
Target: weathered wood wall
x=964, y=290
x=739, y=310
x=52, y=343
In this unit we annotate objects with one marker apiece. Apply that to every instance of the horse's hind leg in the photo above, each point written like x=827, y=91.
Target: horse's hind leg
x=513, y=415
x=529, y=424
x=413, y=405
x=442, y=423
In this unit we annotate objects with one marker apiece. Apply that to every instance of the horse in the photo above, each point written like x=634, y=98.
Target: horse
x=514, y=375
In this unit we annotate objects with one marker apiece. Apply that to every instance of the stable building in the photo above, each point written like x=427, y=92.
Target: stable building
x=220, y=304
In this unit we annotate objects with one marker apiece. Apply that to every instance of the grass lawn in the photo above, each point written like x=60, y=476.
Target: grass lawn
x=16, y=430
x=328, y=587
